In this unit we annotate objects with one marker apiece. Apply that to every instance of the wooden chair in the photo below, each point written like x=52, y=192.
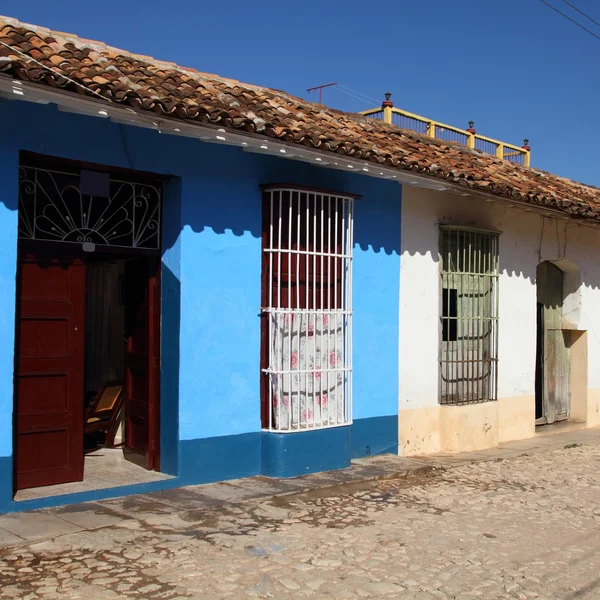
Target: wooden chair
x=103, y=412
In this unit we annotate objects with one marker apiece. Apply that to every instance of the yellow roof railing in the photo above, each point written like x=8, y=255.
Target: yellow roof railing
x=469, y=137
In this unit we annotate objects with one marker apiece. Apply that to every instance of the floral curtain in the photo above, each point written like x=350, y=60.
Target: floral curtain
x=307, y=373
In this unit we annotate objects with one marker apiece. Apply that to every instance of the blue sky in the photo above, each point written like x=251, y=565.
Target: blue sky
x=515, y=67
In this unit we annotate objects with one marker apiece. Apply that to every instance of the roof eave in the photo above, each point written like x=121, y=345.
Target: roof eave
x=14, y=89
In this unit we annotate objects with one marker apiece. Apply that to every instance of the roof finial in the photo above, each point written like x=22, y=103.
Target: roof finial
x=387, y=103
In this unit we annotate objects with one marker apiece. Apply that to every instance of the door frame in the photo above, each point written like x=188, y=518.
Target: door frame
x=154, y=372
x=44, y=251
x=49, y=249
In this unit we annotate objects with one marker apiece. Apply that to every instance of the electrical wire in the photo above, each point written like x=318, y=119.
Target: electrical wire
x=539, y=252
x=37, y=62
x=354, y=96
x=581, y=12
x=570, y=19
x=147, y=118
x=156, y=124
x=344, y=89
x=369, y=98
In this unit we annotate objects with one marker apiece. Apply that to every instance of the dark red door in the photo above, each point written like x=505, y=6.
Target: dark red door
x=49, y=372
x=141, y=362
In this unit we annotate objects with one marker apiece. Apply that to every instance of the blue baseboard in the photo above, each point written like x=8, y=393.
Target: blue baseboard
x=104, y=494
x=376, y=435
x=6, y=483
x=293, y=454
x=234, y=456
x=220, y=458
x=201, y=461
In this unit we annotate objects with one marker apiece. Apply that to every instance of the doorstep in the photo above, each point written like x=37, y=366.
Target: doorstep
x=561, y=427
x=160, y=507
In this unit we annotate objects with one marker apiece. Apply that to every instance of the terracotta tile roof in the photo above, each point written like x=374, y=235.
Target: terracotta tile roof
x=184, y=93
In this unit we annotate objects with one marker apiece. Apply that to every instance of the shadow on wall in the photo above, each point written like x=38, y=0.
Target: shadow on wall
x=220, y=184
x=526, y=240
x=534, y=239
x=216, y=200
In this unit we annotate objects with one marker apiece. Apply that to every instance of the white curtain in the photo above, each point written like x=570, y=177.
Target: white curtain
x=307, y=374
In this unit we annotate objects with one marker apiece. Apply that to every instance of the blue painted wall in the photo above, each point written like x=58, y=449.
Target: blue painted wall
x=211, y=283
x=8, y=267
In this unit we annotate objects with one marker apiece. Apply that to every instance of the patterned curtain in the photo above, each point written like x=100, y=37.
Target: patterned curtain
x=307, y=371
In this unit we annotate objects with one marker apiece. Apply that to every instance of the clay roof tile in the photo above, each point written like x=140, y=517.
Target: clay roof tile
x=185, y=93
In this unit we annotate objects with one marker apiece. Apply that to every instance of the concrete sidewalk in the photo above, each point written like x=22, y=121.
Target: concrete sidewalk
x=159, y=507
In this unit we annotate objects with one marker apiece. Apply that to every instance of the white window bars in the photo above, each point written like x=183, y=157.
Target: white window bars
x=307, y=309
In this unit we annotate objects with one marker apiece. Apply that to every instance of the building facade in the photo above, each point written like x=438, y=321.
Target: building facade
x=245, y=283
x=212, y=249
x=504, y=318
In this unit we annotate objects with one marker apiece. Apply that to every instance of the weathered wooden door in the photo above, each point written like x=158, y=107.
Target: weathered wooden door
x=49, y=372
x=554, y=362
x=141, y=362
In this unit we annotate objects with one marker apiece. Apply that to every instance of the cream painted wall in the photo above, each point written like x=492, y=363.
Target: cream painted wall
x=527, y=238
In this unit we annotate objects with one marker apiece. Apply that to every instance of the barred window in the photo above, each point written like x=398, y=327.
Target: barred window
x=307, y=309
x=469, y=315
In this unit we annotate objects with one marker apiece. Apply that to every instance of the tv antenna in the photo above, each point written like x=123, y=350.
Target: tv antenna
x=320, y=88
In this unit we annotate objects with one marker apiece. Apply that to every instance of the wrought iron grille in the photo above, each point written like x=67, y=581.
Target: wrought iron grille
x=307, y=307
x=469, y=316
x=53, y=208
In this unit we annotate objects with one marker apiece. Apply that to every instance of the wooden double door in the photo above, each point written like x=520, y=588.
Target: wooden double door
x=50, y=360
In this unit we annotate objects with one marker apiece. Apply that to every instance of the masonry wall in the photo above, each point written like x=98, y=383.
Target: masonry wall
x=527, y=238
x=210, y=406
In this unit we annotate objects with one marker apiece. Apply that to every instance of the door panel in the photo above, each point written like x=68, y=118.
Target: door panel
x=559, y=365
x=141, y=362
x=49, y=372
x=44, y=338
x=556, y=363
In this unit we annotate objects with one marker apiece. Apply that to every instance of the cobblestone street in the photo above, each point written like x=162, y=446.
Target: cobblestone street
x=523, y=527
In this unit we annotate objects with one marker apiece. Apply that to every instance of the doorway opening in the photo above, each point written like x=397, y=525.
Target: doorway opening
x=552, y=373
x=87, y=332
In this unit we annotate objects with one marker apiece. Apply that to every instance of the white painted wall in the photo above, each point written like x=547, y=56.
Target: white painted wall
x=527, y=239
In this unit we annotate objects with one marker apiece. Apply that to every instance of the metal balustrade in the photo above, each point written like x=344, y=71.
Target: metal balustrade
x=388, y=113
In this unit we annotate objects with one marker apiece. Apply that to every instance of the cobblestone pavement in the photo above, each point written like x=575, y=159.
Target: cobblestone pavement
x=526, y=527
